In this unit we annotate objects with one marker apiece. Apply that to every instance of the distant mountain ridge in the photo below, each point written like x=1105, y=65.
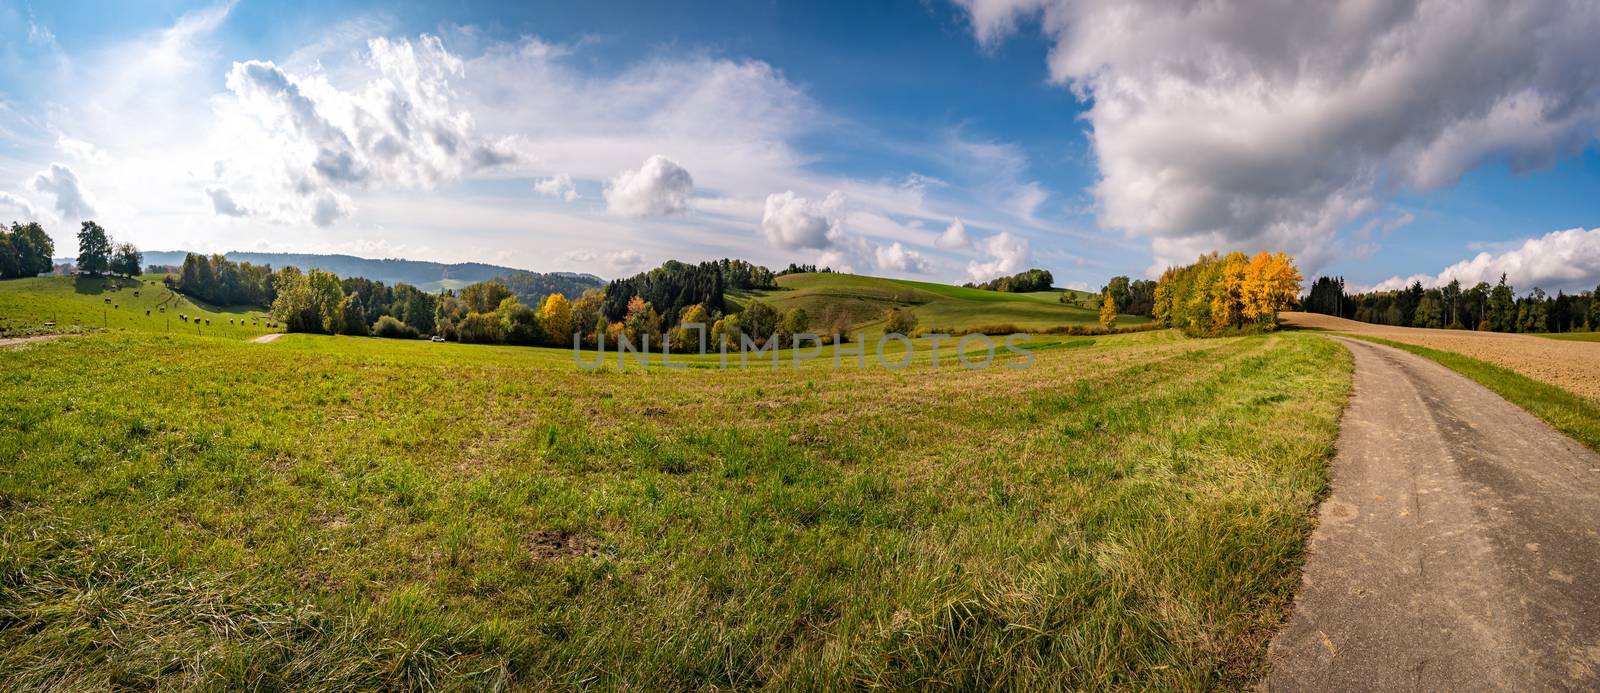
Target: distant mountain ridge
x=425, y=275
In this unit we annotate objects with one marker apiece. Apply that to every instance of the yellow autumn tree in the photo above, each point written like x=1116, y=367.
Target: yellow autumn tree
x=684, y=339
x=1272, y=283
x=555, y=316
x=1219, y=293
x=1108, y=312
x=1228, y=291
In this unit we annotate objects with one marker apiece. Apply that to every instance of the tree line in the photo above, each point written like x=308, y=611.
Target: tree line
x=1021, y=282
x=98, y=255
x=1136, y=297
x=1227, y=294
x=25, y=250
x=1481, y=307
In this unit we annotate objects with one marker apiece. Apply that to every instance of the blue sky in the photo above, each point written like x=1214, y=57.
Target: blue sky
x=938, y=140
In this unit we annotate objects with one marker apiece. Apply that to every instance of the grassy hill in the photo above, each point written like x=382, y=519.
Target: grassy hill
x=143, y=304
x=428, y=276
x=937, y=306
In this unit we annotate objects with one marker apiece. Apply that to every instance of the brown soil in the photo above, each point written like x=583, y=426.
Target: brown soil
x=549, y=545
x=1574, y=366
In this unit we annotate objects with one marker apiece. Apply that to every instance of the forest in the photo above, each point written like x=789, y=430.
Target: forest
x=1019, y=283
x=1479, y=307
x=24, y=250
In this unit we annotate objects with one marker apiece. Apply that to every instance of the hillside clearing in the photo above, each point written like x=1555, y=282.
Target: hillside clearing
x=116, y=303
x=865, y=300
x=337, y=511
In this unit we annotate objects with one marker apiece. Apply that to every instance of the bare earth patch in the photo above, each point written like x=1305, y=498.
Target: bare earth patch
x=550, y=545
x=263, y=339
x=25, y=340
x=1573, y=365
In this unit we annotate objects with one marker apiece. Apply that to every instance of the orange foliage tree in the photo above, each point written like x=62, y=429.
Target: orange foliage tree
x=1222, y=293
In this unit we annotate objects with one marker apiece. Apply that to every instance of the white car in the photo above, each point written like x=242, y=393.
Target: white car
x=438, y=338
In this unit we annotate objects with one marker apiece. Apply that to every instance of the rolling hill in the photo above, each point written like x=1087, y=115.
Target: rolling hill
x=85, y=302
x=116, y=303
x=428, y=276
x=864, y=300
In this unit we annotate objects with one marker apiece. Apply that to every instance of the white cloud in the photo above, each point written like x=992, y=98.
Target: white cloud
x=222, y=202
x=401, y=129
x=624, y=260
x=1560, y=260
x=620, y=261
x=1008, y=254
x=792, y=222
x=1234, y=124
x=22, y=209
x=895, y=257
x=81, y=150
x=559, y=185
x=72, y=202
x=954, y=236
x=658, y=188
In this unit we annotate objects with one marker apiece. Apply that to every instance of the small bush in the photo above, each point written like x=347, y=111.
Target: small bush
x=388, y=327
x=900, y=321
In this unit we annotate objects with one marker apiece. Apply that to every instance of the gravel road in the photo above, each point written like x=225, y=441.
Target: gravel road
x=1459, y=549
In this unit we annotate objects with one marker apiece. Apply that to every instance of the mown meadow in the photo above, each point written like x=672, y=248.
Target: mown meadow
x=342, y=512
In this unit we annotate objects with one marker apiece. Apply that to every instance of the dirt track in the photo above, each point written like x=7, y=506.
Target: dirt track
x=1459, y=549
x=267, y=338
x=27, y=340
x=1574, y=366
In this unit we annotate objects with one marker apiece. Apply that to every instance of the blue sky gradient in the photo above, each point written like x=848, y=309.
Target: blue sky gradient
x=889, y=120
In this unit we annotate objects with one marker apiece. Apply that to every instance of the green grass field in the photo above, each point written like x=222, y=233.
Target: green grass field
x=185, y=511
x=937, y=306
x=86, y=303
x=1572, y=336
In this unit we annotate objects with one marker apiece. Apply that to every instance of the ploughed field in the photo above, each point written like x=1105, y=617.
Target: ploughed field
x=1569, y=361
x=183, y=511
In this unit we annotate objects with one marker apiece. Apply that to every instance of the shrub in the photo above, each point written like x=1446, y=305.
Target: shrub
x=900, y=320
x=390, y=328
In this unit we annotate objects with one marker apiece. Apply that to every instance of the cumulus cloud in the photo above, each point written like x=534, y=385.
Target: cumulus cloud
x=1007, y=254
x=559, y=185
x=19, y=207
x=81, y=150
x=895, y=257
x=954, y=236
x=658, y=188
x=1234, y=124
x=792, y=222
x=1561, y=260
x=72, y=202
x=222, y=202
x=621, y=261
x=402, y=129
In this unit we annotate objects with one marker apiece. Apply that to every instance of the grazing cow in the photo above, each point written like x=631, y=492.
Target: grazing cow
x=147, y=313
x=208, y=321
x=116, y=305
